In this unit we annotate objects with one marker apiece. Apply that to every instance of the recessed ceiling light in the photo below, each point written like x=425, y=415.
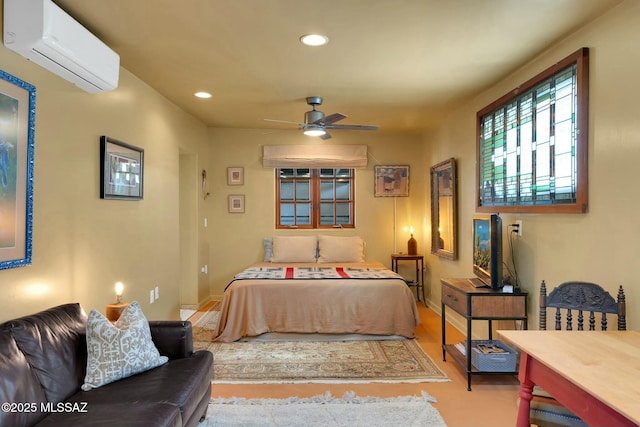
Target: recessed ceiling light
x=203, y=94
x=314, y=40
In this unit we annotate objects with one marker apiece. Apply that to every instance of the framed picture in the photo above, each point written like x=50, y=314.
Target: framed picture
x=121, y=174
x=235, y=176
x=236, y=203
x=391, y=181
x=17, y=127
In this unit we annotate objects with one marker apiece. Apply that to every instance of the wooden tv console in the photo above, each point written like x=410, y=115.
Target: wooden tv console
x=478, y=303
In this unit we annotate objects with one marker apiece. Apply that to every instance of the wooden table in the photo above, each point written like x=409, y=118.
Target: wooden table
x=419, y=259
x=594, y=374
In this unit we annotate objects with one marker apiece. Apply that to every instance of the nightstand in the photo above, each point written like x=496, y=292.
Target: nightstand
x=419, y=282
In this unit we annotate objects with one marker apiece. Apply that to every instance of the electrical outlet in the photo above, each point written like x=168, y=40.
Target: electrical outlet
x=519, y=222
x=157, y=289
x=151, y=296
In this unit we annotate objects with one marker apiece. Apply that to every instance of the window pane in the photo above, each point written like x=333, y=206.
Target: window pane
x=326, y=190
x=286, y=173
x=564, y=137
x=564, y=108
x=303, y=173
x=286, y=213
x=303, y=190
x=343, y=213
x=543, y=120
x=326, y=173
x=343, y=173
x=303, y=213
x=286, y=190
x=326, y=213
x=564, y=173
x=343, y=190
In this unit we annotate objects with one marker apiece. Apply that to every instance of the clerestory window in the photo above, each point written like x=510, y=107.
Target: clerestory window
x=532, y=143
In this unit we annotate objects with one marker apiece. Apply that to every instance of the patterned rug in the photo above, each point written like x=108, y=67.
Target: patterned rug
x=277, y=362
x=324, y=411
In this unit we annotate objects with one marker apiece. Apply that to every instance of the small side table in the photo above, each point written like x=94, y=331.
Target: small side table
x=115, y=310
x=419, y=259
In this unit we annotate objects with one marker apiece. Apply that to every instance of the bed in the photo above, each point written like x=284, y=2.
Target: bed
x=326, y=288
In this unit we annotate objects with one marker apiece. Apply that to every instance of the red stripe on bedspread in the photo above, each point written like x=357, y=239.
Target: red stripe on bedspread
x=341, y=272
x=289, y=273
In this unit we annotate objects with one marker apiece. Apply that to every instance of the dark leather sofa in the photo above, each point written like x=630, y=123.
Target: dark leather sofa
x=43, y=360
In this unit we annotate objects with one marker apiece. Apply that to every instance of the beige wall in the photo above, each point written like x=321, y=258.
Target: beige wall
x=82, y=245
x=601, y=246
x=236, y=239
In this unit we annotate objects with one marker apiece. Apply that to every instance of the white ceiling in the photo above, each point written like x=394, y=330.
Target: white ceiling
x=398, y=64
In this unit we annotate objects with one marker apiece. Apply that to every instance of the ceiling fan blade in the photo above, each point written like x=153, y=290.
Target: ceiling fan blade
x=284, y=121
x=353, y=127
x=334, y=118
x=326, y=135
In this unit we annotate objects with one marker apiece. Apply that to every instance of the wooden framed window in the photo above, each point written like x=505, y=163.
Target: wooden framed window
x=315, y=198
x=533, y=143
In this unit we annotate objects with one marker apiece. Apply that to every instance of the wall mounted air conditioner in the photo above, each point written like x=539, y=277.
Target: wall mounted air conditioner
x=42, y=32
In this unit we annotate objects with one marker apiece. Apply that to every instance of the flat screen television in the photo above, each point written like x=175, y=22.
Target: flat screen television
x=487, y=249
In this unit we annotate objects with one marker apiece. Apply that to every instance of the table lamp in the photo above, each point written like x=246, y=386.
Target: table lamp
x=115, y=310
x=412, y=244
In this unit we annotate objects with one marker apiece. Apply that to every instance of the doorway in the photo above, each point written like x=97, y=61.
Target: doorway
x=188, y=189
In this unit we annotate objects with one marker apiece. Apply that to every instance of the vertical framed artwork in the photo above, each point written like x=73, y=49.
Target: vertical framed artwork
x=236, y=203
x=121, y=172
x=17, y=128
x=391, y=181
x=235, y=176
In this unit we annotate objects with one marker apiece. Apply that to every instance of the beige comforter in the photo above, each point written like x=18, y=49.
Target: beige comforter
x=251, y=307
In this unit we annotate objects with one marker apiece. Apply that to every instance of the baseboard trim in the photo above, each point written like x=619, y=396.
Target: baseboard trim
x=200, y=305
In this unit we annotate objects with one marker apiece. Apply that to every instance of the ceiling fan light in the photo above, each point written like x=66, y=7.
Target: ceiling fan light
x=314, y=39
x=314, y=132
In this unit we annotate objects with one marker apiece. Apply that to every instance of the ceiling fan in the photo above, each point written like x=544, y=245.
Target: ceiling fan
x=316, y=124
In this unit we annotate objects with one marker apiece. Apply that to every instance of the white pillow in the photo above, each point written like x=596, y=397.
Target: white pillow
x=121, y=350
x=340, y=249
x=294, y=249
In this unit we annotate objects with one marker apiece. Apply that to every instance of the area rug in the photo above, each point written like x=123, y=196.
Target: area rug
x=282, y=362
x=204, y=326
x=324, y=411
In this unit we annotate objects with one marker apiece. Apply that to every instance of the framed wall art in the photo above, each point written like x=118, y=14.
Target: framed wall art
x=235, y=176
x=236, y=203
x=17, y=128
x=121, y=172
x=391, y=181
